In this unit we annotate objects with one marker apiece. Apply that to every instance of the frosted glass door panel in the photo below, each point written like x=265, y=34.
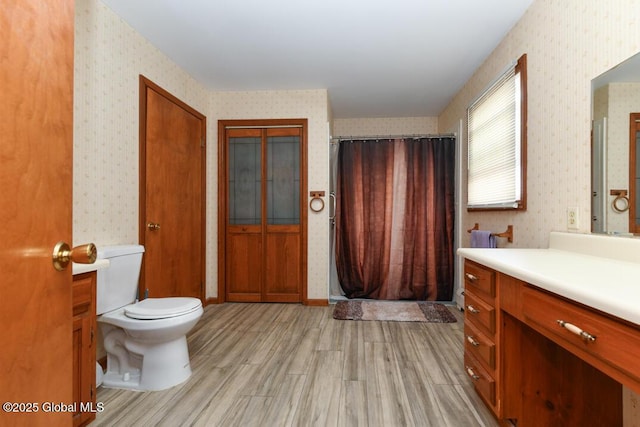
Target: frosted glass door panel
x=283, y=180
x=245, y=181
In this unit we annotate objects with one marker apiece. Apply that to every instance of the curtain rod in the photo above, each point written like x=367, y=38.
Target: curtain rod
x=374, y=137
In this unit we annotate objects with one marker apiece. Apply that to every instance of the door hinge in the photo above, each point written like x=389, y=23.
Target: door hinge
x=92, y=335
x=202, y=142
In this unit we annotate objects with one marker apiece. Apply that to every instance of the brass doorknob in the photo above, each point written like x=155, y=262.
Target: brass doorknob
x=63, y=254
x=153, y=226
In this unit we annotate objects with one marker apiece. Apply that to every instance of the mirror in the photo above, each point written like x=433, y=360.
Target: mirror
x=615, y=149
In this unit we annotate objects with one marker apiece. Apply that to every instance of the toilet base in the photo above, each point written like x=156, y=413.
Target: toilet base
x=159, y=366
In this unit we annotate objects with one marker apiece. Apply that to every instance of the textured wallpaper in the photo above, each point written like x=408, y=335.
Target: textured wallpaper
x=385, y=126
x=109, y=57
x=293, y=104
x=567, y=43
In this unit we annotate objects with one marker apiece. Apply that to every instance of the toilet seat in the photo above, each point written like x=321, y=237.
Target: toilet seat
x=162, y=308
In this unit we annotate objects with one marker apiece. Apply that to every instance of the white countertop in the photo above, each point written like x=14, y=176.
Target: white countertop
x=577, y=273
x=85, y=268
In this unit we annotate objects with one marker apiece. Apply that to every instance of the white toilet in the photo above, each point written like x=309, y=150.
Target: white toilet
x=145, y=341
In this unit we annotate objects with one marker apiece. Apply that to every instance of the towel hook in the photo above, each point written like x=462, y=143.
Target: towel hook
x=621, y=195
x=316, y=204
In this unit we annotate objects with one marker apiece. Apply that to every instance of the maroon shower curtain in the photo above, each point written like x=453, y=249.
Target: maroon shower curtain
x=394, y=218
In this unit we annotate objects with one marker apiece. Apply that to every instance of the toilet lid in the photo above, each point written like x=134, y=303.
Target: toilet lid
x=162, y=308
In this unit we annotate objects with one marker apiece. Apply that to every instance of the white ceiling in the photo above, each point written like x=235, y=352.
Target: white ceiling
x=377, y=58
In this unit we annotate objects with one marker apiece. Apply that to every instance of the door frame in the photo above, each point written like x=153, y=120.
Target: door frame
x=223, y=208
x=145, y=84
x=634, y=127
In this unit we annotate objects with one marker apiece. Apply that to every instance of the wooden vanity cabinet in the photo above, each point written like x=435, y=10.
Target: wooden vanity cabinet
x=84, y=348
x=532, y=370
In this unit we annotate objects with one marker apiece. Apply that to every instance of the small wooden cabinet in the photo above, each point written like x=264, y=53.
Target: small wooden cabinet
x=84, y=348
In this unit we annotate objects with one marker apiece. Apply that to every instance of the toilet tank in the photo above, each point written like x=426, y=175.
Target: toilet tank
x=117, y=285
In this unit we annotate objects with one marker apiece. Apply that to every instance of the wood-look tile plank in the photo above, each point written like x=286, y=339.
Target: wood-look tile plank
x=285, y=402
x=291, y=365
x=320, y=400
x=386, y=387
x=354, y=360
x=235, y=385
x=457, y=408
x=353, y=410
x=303, y=354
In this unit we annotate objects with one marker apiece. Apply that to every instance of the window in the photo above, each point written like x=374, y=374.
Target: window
x=497, y=143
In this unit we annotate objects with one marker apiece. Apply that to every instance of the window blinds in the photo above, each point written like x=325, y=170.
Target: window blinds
x=494, y=145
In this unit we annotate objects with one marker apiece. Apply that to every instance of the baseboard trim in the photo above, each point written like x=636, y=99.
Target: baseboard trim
x=309, y=302
x=316, y=302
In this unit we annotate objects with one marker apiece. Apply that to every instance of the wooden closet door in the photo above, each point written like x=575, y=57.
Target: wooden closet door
x=264, y=249
x=282, y=237
x=172, y=195
x=245, y=214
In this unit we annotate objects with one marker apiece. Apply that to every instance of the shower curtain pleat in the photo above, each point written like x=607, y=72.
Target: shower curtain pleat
x=394, y=219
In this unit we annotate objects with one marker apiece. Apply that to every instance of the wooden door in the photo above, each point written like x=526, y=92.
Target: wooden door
x=172, y=187
x=263, y=213
x=36, y=128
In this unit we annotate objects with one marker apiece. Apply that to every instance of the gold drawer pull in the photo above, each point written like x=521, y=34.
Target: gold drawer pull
x=472, y=341
x=574, y=329
x=472, y=374
x=473, y=309
x=470, y=277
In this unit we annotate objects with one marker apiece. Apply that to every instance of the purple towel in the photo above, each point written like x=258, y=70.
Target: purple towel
x=482, y=239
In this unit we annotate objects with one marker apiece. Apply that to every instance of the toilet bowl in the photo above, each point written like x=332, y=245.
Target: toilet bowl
x=145, y=341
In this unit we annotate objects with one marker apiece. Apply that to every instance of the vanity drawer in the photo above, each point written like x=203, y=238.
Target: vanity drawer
x=483, y=382
x=605, y=342
x=83, y=286
x=480, y=279
x=480, y=346
x=480, y=313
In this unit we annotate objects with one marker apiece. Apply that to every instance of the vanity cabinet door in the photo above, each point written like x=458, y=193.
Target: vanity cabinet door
x=84, y=348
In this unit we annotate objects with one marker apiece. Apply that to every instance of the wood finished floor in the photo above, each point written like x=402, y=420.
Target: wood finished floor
x=292, y=365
